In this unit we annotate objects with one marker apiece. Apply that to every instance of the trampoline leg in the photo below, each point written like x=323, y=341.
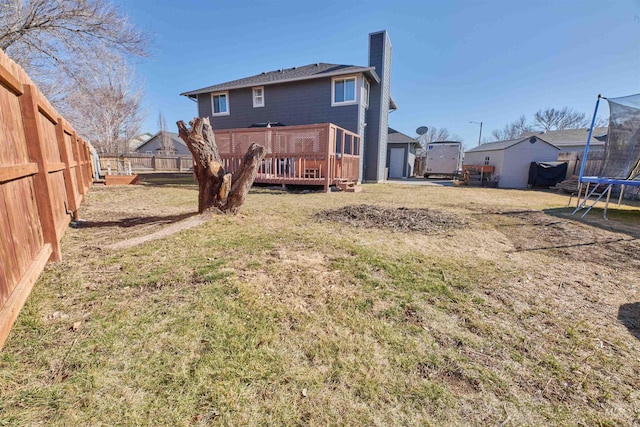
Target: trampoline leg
x=621, y=193
x=576, y=194
x=588, y=196
x=606, y=205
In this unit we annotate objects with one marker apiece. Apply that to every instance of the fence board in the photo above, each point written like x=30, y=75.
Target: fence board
x=8, y=276
x=39, y=174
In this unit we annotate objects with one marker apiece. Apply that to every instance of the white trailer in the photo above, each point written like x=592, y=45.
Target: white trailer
x=443, y=158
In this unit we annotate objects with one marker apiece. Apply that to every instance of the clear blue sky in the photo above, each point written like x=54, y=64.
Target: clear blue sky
x=453, y=62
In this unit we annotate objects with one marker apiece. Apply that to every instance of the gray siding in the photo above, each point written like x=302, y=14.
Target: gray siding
x=514, y=171
x=375, y=146
x=294, y=103
x=409, y=157
x=153, y=145
x=512, y=163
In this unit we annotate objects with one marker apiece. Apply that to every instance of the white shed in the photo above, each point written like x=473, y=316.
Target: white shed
x=512, y=158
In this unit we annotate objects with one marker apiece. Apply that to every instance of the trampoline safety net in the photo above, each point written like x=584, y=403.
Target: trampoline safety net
x=622, y=149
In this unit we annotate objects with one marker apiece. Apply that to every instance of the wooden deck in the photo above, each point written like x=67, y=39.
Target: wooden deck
x=321, y=155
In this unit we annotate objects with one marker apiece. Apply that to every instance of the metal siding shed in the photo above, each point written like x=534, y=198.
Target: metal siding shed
x=512, y=158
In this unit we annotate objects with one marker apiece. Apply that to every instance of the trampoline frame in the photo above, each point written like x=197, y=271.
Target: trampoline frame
x=582, y=200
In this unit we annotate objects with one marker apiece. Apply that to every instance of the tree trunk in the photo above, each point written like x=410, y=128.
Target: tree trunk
x=218, y=190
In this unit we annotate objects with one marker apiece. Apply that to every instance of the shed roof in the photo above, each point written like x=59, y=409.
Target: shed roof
x=503, y=145
x=398, y=137
x=174, y=137
x=306, y=72
x=570, y=136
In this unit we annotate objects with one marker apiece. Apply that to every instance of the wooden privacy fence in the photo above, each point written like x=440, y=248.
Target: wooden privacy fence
x=574, y=159
x=111, y=163
x=45, y=172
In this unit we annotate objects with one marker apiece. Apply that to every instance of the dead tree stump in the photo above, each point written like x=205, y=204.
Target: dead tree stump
x=218, y=190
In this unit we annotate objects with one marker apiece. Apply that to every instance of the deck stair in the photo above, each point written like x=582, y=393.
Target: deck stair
x=348, y=186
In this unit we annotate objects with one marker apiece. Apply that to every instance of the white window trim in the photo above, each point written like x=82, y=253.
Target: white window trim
x=333, y=91
x=253, y=92
x=366, y=85
x=225, y=113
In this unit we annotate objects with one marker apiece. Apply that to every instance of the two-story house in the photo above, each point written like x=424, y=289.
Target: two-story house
x=356, y=98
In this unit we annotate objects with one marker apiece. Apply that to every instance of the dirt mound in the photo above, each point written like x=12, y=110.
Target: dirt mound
x=398, y=219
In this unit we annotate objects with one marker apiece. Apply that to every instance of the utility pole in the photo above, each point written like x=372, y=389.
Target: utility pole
x=479, y=136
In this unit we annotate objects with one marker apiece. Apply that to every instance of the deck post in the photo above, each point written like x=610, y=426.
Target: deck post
x=329, y=142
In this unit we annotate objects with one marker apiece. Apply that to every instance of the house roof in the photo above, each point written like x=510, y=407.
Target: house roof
x=502, y=145
x=306, y=72
x=174, y=137
x=398, y=137
x=570, y=136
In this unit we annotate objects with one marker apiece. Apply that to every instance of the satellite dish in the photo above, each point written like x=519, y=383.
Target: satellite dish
x=422, y=130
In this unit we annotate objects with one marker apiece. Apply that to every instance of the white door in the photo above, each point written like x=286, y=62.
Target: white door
x=396, y=163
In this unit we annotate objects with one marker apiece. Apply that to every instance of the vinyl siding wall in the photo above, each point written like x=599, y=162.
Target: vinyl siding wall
x=408, y=158
x=153, y=145
x=375, y=145
x=512, y=163
x=294, y=103
x=517, y=159
x=496, y=158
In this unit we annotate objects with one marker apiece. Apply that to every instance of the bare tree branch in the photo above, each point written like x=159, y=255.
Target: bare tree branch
x=105, y=105
x=566, y=118
x=435, y=134
x=511, y=130
x=166, y=143
x=73, y=50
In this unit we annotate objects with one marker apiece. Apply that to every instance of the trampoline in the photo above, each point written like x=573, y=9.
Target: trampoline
x=621, y=163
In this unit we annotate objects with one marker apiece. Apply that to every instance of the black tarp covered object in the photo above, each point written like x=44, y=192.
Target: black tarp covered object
x=546, y=174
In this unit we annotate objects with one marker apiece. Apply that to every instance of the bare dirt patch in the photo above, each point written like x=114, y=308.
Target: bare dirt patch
x=398, y=219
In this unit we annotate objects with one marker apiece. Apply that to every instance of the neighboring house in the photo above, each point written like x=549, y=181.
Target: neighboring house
x=512, y=158
x=569, y=140
x=153, y=145
x=401, y=154
x=356, y=98
x=135, y=142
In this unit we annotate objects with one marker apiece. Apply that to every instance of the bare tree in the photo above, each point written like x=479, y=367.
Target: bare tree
x=512, y=130
x=49, y=33
x=105, y=105
x=550, y=119
x=60, y=43
x=437, y=134
x=166, y=143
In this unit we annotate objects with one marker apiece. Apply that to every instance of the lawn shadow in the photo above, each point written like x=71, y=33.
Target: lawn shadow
x=629, y=316
x=168, y=179
x=620, y=221
x=134, y=221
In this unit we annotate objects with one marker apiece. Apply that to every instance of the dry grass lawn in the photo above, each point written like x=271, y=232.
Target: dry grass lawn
x=510, y=312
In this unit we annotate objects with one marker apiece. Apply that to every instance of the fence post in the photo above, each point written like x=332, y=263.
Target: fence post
x=153, y=162
x=35, y=147
x=67, y=159
x=75, y=145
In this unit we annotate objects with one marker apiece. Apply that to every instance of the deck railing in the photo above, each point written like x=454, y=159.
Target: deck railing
x=319, y=154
